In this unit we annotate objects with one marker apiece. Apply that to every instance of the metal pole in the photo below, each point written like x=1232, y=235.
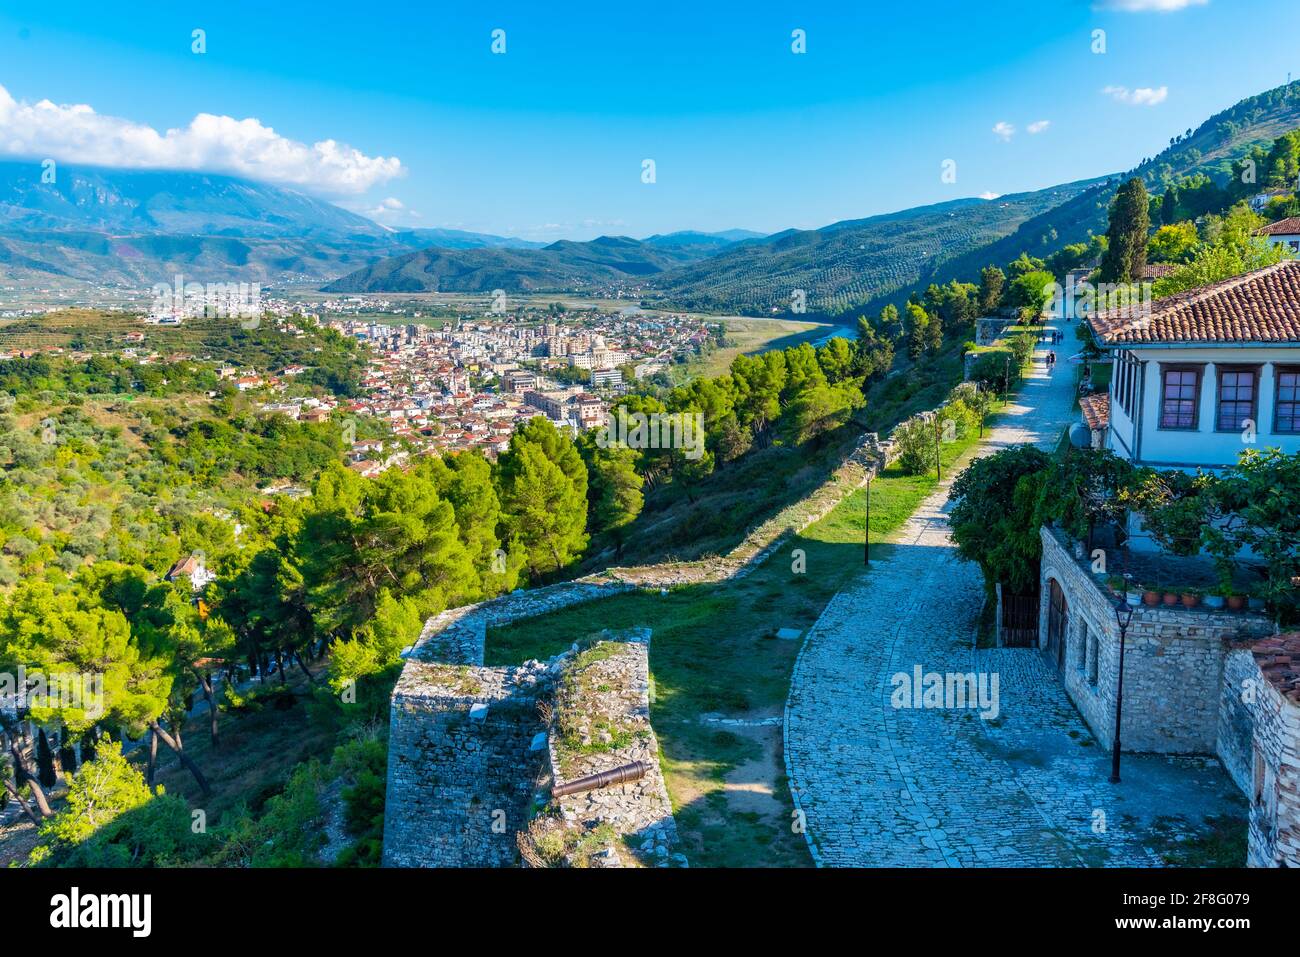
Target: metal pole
x=1119, y=707
x=866, y=526
x=938, y=463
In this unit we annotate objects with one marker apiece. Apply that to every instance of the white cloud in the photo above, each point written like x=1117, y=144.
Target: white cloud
x=1149, y=6
x=75, y=133
x=1038, y=126
x=1004, y=130
x=1142, y=96
x=989, y=195
x=387, y=207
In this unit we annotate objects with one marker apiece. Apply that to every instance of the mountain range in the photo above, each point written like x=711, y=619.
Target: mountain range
x=134, y=227
x=130, y=227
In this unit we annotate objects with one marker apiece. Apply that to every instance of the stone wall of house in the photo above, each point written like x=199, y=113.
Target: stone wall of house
x=464, y=763
x=1237, y=719
x=1259, y=743
x=1173, y=664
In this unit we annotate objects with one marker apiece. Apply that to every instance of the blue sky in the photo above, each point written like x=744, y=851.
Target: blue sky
x=547, y=140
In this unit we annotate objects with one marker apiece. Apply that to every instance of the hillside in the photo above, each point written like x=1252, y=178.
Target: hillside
x=564, y=265
x=855, y=260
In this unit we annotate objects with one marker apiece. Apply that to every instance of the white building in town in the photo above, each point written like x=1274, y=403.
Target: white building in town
x=1285, y=232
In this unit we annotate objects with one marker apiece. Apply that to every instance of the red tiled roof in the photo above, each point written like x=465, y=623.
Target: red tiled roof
x=1283, y=227
x=1261, y=306
x=1157, y=270
x=1278, y=658
x=1096, y=410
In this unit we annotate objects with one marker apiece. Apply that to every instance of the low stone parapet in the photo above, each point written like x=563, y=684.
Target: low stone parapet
x=458, y=635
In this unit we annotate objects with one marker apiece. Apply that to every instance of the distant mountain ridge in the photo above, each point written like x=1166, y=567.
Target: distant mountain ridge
x=138, y=226
x=604, y=264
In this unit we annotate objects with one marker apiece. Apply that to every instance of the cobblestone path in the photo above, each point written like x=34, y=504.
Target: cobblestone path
x=879, y=785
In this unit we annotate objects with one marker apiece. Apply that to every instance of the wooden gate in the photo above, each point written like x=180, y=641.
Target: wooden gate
x=1019, y=620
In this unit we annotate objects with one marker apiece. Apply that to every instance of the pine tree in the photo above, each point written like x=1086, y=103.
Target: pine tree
x=543, y=494
x=44, y=761
x=992, y=281
x=917, y=320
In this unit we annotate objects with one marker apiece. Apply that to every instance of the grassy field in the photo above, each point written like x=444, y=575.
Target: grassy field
x=748, y=336
x=714, y=653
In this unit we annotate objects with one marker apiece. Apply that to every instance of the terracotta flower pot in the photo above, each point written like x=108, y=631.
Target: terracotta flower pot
x=1170, y=598
x=1151, y=597
x=1236, y=602
x=1190, y=600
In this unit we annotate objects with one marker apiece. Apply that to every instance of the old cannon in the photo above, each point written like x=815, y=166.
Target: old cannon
x=604, y=779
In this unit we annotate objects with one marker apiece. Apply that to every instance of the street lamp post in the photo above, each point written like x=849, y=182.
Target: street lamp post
x=866, y=525
x=938, y=462
x=1123, y=617
x=1006, y=382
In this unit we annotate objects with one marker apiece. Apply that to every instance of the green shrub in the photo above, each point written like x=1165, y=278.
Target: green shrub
x=915, y=443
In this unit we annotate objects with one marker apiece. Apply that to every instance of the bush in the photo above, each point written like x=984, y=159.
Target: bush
x=990, y=368
x=915, y=442
x=958, y=419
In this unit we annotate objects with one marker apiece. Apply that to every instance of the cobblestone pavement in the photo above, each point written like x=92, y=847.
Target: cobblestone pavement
x=879, y=785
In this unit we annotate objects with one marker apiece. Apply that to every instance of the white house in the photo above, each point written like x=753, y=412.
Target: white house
x=1285, y=232
x=193, y=568
x=1203, y=375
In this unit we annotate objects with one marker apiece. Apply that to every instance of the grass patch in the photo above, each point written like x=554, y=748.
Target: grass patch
x=1219, y=842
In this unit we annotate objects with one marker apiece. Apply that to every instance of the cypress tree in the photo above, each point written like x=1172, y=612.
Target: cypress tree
x=1126, y=256
x=44, y=761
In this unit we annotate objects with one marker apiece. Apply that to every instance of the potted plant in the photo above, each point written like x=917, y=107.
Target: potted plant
x=1150, y=595
x=1217, y=597
x=1236, y=601
x=1190, y=597
x=1170, y=598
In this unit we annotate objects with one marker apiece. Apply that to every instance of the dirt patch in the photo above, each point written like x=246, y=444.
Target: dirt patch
x=752, y=785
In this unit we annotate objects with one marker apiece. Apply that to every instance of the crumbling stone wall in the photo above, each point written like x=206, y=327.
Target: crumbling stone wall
x=464, y=762
x=1259, y=738
x=601, y=722
x=473, y=751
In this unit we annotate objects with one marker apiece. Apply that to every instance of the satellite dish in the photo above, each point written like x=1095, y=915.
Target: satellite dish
x=1080, y=436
